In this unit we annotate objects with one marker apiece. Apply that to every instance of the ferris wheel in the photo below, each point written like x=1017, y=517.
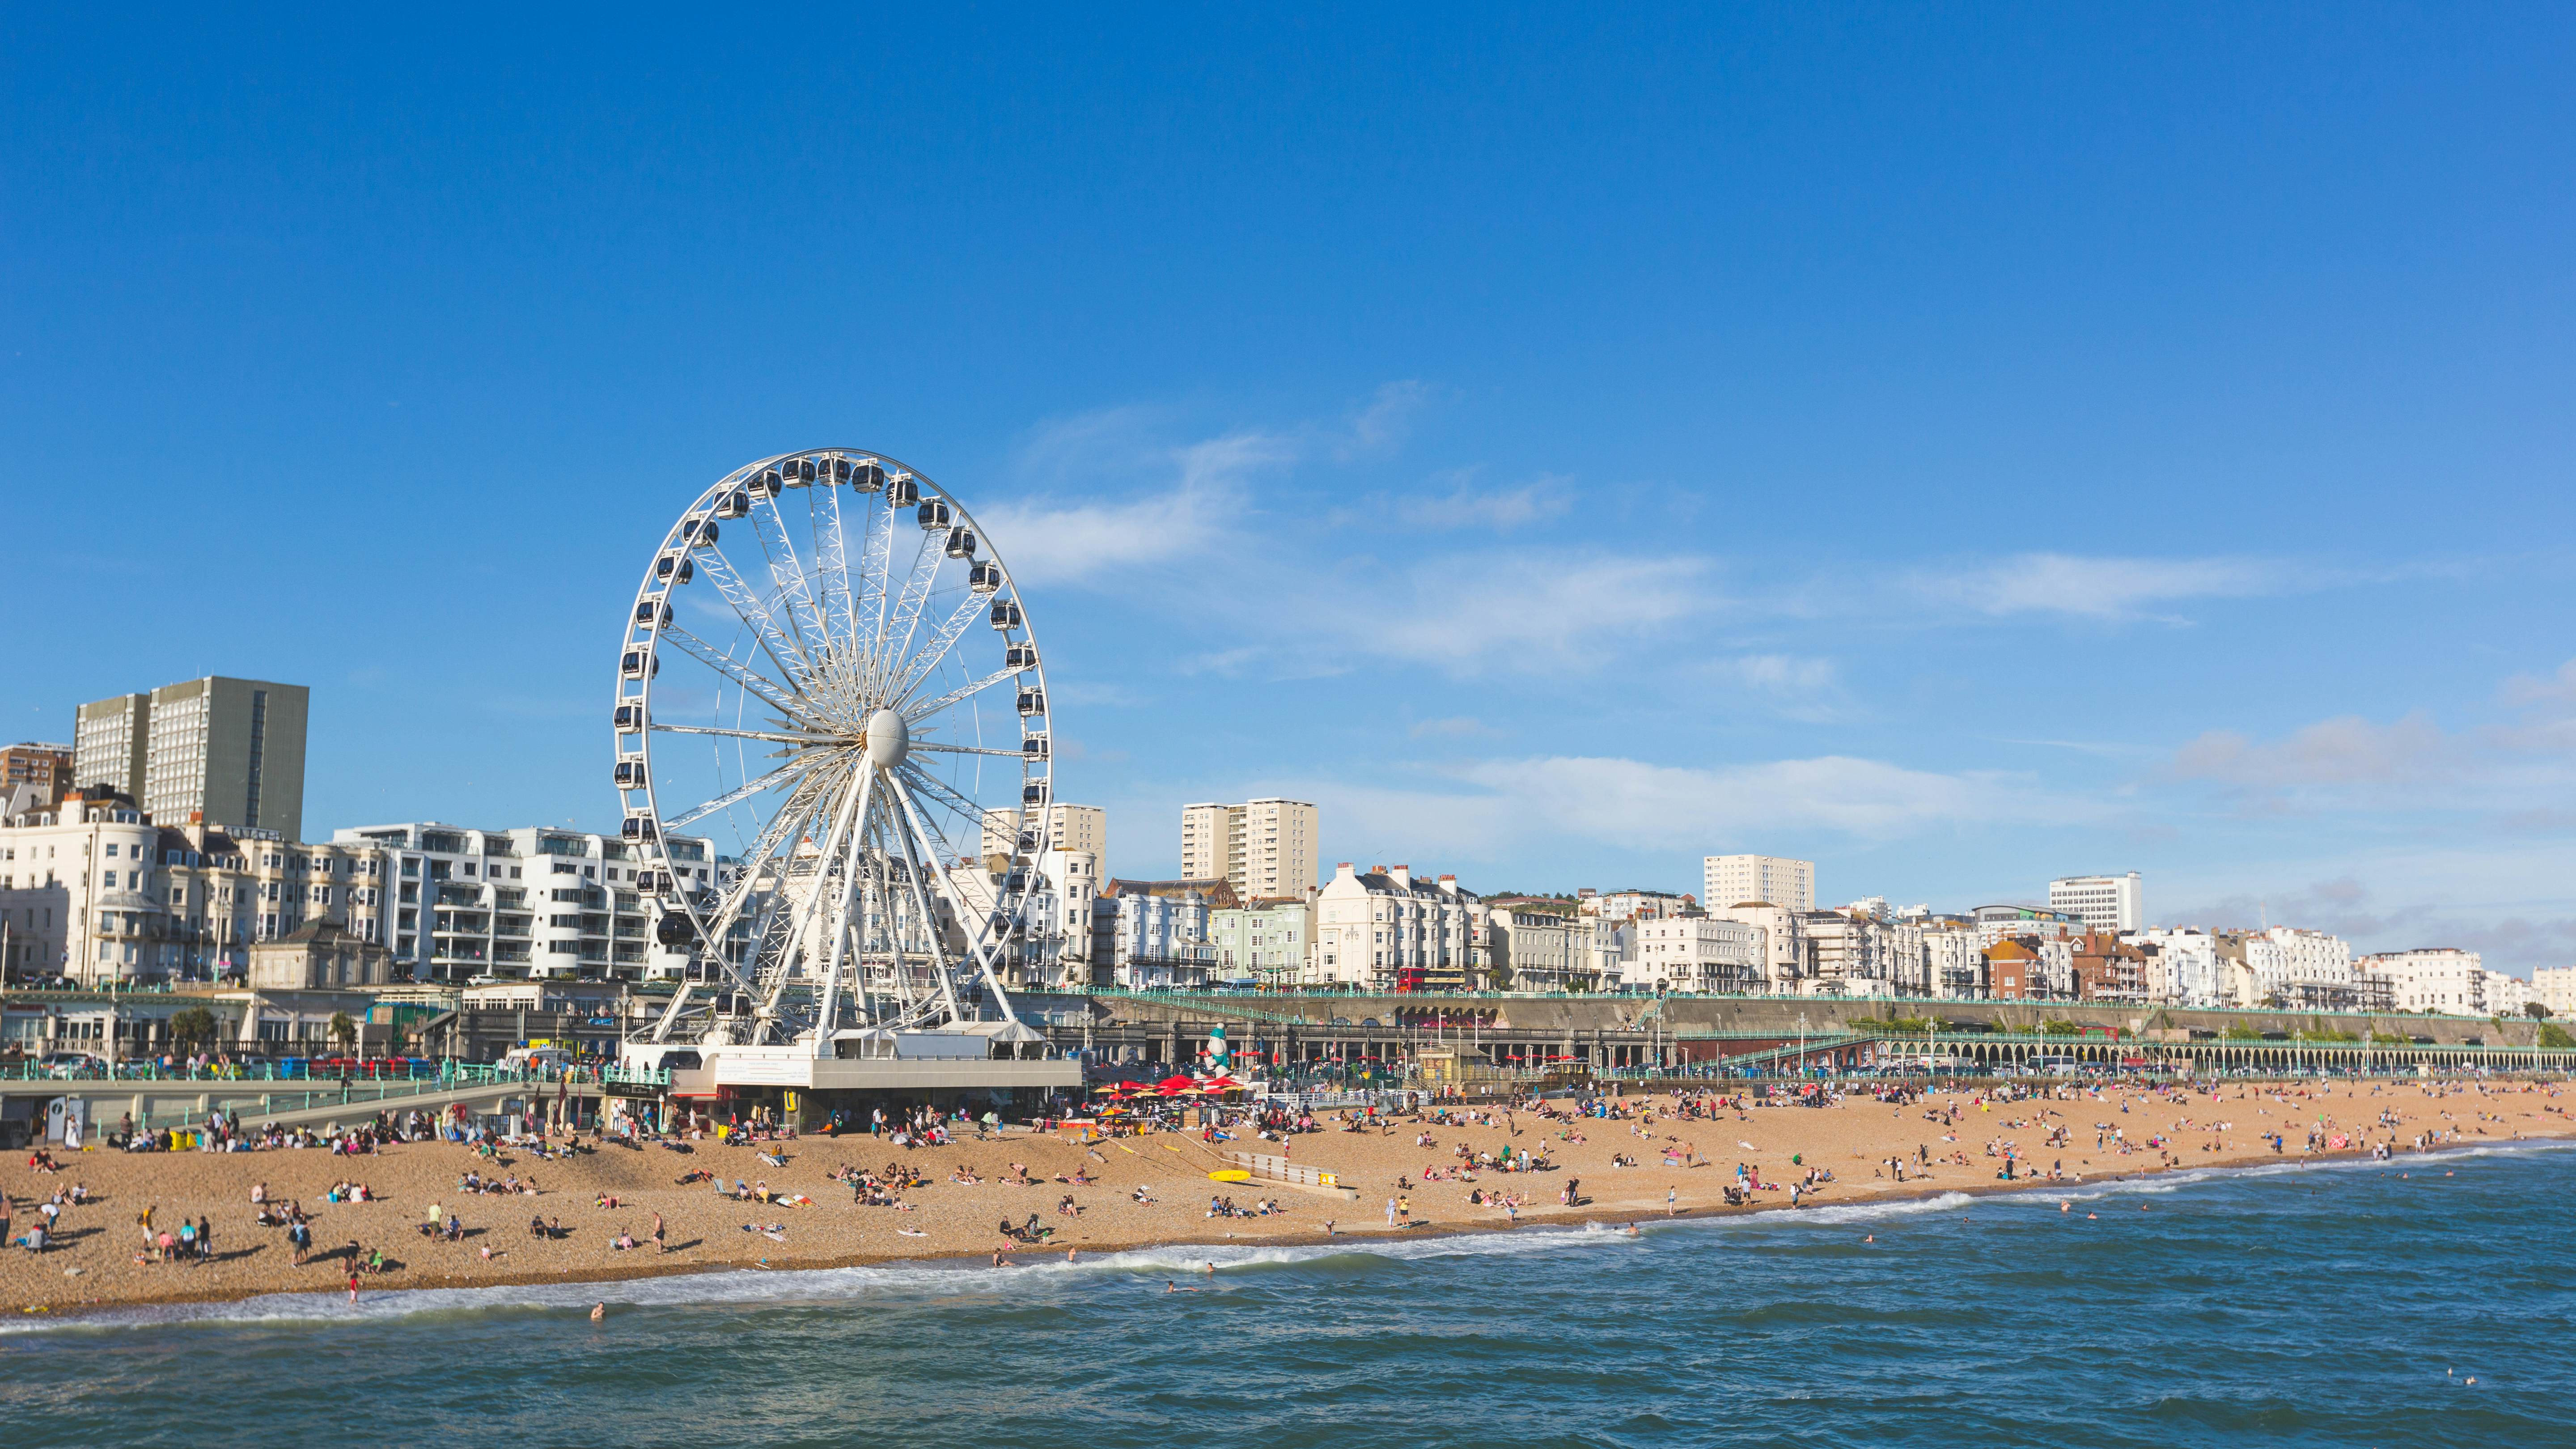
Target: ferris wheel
x=829, y=677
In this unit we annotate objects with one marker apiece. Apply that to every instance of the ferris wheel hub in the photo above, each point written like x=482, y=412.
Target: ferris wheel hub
x=889, y=739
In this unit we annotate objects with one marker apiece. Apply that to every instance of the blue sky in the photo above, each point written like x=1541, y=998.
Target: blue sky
x=1959, y=445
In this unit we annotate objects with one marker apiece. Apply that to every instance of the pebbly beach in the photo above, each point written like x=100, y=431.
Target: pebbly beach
x=393, y=1204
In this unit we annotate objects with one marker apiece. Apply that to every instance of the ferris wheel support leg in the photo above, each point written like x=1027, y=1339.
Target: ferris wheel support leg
x=827, y=1004
x=802, y=933
x=978, y=942
x=929, y=918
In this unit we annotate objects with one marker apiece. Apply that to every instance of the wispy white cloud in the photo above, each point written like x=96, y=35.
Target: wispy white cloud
x=1460, y=727
x=1466, y=505
x=2342, y=751
x=1509, y=805
x=1530, y=609
x=2113, y=588
x=2512, y=771
x=1193, y=494
x=1383, y=424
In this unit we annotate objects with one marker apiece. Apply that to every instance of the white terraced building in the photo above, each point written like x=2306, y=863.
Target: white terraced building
x=2438, y=979
x=94, y=890
x=1370, y=927
x=529, y=903
x=1698, y=954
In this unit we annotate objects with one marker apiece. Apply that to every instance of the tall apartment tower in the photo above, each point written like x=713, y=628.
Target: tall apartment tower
x=1732, y=880
x=108, y=740
x=2106, y=902
x=1263, y=848
x=1069, y=827
x=216, y=750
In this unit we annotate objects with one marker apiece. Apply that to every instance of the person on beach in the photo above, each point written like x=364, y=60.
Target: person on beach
x=659, y=1246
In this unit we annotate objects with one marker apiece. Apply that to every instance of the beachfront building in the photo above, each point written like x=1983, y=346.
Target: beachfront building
x=1699, y=955
x=2440, y=979
x=1157, y=932
x=1538, y=951
x=1785, y=965
x=2182, y=966
x=95, y=891
x=532, y=902
x=1954, y=962
x=1633, y=905
x=2555, y=988
x=2304, y=970
x=1613, y=948
x=1382, y=928
x=1774, y=878
x=1262, y=942
x=1265, y=849
x=2101, y=902
x=2507, y=995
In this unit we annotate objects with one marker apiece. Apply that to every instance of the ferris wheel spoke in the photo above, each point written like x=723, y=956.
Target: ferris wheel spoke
x=831, y=547
x=914, y=714
x=783, y=737
x=920, y=665
x=947, y=797
x=896, y=639
x=779, y=697
x=748, y=606
x=966, y=750
x=787, y=576
x=740, y=793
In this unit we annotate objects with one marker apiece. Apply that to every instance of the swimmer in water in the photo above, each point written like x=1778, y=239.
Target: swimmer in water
x=598, y=1312
x=1069, y=1252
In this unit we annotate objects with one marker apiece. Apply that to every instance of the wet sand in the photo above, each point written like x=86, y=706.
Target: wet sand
x=93, y=1263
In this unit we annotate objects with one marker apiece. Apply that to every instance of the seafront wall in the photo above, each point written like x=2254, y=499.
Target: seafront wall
x=1688, y=1016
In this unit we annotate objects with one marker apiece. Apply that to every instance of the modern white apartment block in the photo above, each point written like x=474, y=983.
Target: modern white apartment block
x=531, y=902
x=2102, y=902
x=1265, y=849
x=1372, y=928
x=1068, y=827
x=1728, y=880
x=2555, y=987
x=2437, y=979
x=216, y=750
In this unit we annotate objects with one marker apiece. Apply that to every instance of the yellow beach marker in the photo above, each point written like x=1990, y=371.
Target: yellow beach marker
x=1230, y=1174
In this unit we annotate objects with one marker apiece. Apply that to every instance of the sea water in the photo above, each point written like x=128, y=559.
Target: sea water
x=2347, y=1304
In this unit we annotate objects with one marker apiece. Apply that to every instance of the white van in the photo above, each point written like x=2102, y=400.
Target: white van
x=541, y=1059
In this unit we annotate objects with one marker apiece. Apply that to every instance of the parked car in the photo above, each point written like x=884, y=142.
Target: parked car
x=74, y=1064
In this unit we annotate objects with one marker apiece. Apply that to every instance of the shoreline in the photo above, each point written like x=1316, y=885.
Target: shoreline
x=80, y=1312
